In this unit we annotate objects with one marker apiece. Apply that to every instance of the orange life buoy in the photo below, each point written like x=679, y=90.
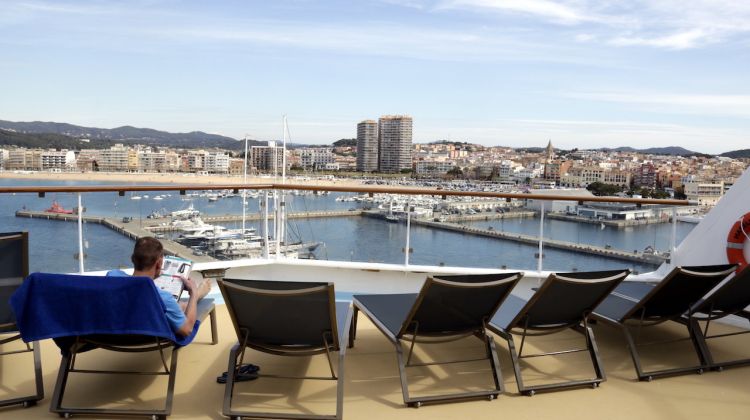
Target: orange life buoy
x=738, y=234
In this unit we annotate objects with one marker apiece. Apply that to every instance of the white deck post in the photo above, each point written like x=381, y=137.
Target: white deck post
x=80, y=235
x=541, y=239
x=264, y=204
x=408, y=234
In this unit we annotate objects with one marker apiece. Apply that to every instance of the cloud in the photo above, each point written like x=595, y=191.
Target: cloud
x=667, y=24
x=707, y=104
x=558, y=12
x=678, y=41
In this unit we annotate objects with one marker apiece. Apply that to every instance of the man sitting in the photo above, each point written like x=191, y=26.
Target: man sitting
x=147, y=258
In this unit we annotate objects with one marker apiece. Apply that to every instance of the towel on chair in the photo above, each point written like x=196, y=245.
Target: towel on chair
x=63, y=305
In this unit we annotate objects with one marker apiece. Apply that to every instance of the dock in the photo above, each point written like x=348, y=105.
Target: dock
x=638, y=257
x=131, y=230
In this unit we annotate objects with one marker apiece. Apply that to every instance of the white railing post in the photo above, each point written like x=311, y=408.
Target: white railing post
x=408, y=234
x=80, y=235
x=264, y=204
x=541, y=239
x=673, y=243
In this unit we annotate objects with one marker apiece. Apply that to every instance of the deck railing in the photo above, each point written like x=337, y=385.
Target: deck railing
x=274, y=193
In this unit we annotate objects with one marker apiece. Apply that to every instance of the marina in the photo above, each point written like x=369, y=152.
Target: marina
x=148, y=227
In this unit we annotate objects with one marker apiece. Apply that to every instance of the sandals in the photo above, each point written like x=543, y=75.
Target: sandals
x=246, y=372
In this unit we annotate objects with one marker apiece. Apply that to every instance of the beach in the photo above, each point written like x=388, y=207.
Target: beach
x=171, y=178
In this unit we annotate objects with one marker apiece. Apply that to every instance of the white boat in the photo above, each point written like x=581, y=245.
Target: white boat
x=187, y=213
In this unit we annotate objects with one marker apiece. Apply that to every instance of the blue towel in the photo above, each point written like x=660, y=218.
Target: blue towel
x=62, y=305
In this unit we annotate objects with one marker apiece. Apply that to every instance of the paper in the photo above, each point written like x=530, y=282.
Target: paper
x=173, y=271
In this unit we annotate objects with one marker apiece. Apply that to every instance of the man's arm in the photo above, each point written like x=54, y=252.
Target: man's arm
x=191, y=308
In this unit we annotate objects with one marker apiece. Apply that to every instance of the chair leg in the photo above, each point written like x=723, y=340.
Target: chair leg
x=418, y=401
x=214, y=331
x=497, y=373
x=340, y=385
x=29, y=400
x=62, y=382
x=229, y=387
x=402, y=372
x=650, y=375
x=38, y=371
x=516, y=364
x=170, y=384
x=594, y=353
x=353, y=326
x=591, y=348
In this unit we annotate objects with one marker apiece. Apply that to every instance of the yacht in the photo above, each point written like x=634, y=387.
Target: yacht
x=186, y=213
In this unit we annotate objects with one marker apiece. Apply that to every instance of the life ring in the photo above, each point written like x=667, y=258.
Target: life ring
x=738, y=235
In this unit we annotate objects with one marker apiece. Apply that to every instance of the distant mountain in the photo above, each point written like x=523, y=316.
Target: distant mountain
x=671, y=150
x=737, y=154
x=131, y=135
x=48, y=141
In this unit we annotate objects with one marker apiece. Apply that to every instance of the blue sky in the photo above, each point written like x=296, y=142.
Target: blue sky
x=583, y=73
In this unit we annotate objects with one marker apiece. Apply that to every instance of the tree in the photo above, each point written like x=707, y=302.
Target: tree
x=456, y=172
x=600, y=188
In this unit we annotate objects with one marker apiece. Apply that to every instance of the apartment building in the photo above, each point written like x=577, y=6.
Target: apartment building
x=582, y=176
x=267, y=158
x=367, y=146
x=149, y=161
x=433, y=167
x=394, y=143
x=703, y=192
x=24, y=159
x=217, y=162
x=316, y=158
x=57, y=159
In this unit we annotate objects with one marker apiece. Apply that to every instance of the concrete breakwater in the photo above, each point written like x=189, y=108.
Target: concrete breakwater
x=534, y=240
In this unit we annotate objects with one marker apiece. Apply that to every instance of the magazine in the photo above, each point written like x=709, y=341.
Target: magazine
x=173, y=271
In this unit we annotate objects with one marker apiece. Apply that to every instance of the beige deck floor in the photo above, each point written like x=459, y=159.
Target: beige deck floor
x=372, y=388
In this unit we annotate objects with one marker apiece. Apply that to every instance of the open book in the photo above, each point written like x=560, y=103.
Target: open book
x=173, y=271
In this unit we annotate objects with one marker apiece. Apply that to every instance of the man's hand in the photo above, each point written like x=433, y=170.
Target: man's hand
x=189, y=285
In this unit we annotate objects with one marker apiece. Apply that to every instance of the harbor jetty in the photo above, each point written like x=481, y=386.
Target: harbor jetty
x=639, y=257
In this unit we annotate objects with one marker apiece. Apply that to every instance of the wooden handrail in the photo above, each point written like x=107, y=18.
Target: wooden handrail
x=335, y=188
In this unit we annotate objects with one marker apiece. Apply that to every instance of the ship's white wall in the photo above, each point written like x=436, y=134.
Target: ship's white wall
x=706, y=244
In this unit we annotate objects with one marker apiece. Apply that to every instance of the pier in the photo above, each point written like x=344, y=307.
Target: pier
x=131, y=230
x=137, y=228
x=639, y=257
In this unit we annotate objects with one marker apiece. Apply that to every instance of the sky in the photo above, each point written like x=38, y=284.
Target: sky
x=581, y=73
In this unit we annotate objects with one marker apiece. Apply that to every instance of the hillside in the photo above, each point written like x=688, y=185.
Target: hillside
x=671, y=151
x=737, y=154
x=48, y=141
x=127, y=134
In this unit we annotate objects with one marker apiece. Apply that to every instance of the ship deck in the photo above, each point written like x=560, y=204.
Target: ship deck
x=372, y=388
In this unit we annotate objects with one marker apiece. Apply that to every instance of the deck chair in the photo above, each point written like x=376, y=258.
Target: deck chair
x=564, y=301
x=641, y=304
x=447, y=308
x=92, y=313
x=285, y=318
x=14, y=267
x=731, y=298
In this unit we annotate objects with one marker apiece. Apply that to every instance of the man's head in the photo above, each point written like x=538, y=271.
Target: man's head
x=147, y=256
